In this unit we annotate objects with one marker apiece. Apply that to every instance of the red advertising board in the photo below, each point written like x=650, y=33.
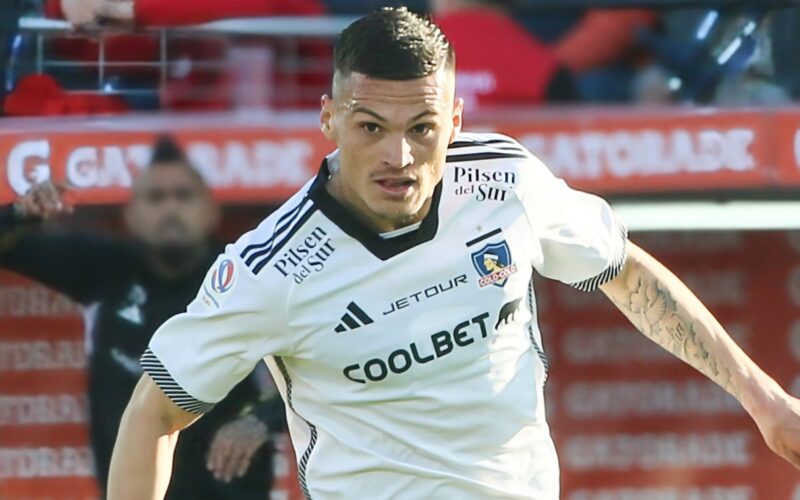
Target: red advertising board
x=640, y=152
x=43, y=407
x=44, y=443
x=241, y=164
x=267, y=158
x=633, y=422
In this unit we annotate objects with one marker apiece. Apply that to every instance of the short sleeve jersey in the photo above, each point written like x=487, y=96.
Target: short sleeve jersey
x=412, y=366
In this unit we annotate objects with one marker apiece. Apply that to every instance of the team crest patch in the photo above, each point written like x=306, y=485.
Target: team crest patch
x=493, y=263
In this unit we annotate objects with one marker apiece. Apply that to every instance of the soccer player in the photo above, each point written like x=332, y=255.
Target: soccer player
x=130, y=287
x=410, y=368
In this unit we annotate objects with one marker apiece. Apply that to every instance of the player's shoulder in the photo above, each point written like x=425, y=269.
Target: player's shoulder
x=258, y=246
x=491, y=157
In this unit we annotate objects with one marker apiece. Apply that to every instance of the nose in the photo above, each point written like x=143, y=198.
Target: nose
x=397, y=153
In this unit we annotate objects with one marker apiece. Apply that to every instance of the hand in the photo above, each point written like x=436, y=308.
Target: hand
x=81, y=12
x=779, y=423
x=233, y=447
x=85, y=12
x=44, y=200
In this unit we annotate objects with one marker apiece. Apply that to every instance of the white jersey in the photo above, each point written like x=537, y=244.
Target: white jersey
x=411, y=364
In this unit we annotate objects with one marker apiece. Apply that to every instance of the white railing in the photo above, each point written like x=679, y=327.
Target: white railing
x=281, y=53
x=293, y=26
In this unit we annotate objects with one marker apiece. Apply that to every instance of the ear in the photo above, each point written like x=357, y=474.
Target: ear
x=326, y=117
x=458, y=112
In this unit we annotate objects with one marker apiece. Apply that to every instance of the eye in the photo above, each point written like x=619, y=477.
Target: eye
x=371, y=127
x=155, y=196
x=421, y=128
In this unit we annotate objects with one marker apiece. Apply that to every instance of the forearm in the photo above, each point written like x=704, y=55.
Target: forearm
x=141, y=464
x=142, y=461
x=661, y=307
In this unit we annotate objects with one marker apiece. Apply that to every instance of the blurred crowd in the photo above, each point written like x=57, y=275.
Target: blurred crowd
x=510, y=53
x=128, y=283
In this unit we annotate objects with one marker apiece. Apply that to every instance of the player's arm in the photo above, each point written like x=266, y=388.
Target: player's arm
x=661, y=307
x=142, y=461
x=193, y=361
x=584, y=244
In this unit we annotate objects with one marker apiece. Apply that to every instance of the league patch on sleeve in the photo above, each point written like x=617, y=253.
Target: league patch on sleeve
x=218, y=283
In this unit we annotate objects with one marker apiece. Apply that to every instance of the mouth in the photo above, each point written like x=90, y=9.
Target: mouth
x=397, y=187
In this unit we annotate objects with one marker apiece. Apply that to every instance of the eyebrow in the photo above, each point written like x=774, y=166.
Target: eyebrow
x=361, y=109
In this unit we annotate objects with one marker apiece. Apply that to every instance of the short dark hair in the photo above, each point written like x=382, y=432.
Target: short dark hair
x=392, y=44
x=167, y=150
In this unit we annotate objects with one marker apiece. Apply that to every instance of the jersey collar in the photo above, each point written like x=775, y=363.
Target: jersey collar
x=381, y=248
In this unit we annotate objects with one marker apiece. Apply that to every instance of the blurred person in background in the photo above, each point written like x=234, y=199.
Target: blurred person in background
x=524, y=71
x=753, y=81
x=599, y=46
x=730, y=57
x=602, y=50
x=127, y=84
x=128, y=288
x=651, y=86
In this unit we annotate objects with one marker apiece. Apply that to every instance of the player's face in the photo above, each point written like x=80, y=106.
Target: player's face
x=171, y=208
x=392, y=138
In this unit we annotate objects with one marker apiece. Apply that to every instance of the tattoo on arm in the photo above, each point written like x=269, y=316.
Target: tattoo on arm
x=651, y=308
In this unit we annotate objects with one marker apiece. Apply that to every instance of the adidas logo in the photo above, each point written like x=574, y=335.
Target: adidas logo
x=357, y=319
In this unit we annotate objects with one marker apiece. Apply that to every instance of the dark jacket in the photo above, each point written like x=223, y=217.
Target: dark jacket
x=125, y=302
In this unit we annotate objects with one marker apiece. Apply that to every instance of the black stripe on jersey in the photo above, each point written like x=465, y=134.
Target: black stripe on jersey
x=483, y=237
x=359, y=313
x=466, y=144
x=153, y=367
x=303, y=465
x=289, y=216
x=512, y=149
x=382, y=248
x=484, y=156
x=506, y=144
x=536, y=346
x=617, y=263
x=277, y=248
